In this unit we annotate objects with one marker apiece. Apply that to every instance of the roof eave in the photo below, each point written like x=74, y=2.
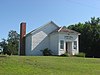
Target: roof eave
x=41, y=27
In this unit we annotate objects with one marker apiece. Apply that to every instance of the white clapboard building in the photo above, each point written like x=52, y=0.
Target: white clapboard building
x=1, y=49
x=57, y=39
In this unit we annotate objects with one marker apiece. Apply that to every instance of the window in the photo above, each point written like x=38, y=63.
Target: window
x=61, y=44
x=75, y=44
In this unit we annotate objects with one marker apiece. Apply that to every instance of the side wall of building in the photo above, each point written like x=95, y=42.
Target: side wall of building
x=28, y=45
x=54, y=43
x=40, y=39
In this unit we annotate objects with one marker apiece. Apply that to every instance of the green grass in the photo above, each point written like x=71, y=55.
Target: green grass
x=50, y=65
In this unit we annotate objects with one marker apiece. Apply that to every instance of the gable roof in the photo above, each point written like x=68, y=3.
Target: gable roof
x=63, y=29
x=41, y=27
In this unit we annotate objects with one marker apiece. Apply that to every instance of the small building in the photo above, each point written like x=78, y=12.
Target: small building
x=1, y=49
x=57, y=39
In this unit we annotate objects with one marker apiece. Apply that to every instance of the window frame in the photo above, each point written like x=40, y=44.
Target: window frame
x=62, y=44
x=75, y=45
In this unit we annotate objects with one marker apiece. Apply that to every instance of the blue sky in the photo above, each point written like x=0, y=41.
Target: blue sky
x=38, y=12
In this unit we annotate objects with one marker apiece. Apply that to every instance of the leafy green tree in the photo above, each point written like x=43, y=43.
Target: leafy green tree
x=13, y=42
x=90, y=36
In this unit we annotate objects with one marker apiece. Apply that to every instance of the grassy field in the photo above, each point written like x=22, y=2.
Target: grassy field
x=50, y=65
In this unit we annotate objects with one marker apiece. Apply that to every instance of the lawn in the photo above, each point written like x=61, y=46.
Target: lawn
x=50, y=65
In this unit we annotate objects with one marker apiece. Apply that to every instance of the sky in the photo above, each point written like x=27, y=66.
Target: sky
x=39, y=12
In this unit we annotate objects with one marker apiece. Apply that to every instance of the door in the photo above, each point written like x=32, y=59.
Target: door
x=69, y=47
x=66, y=47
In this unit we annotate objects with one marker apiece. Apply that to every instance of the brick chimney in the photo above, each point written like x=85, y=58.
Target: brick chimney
x=22, y=38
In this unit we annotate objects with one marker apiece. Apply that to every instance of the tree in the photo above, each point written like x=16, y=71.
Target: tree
x=3, y=44
x=13, y=42
x=90, y=36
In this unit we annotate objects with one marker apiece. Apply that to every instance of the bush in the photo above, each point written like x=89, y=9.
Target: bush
x=8, y=52
x=65, y=54
x=47, y=52
x=80, y=54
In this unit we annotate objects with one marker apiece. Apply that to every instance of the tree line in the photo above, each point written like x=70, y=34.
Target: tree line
x=90, y=36
x=11, y=44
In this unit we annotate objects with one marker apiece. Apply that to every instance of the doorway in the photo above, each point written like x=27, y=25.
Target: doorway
x=68, y=47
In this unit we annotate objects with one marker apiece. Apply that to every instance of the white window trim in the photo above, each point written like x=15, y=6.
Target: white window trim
x=60, y=45
x=74, y=45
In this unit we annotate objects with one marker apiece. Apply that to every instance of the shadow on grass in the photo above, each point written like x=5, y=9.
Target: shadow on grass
x=3, y=56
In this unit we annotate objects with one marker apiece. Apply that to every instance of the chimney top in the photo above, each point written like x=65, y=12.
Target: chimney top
x=23, y=22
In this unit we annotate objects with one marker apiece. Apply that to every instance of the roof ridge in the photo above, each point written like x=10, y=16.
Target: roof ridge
x=42, y=26
x=60, y=29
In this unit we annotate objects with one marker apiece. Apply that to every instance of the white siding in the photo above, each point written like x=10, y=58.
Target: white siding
x=54, y=43
x=75, y=51
x=62, y=36
x=40, y=39
x=28, y=45
x=47, y=29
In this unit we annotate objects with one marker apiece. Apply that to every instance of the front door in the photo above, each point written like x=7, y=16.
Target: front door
x=66, y=47
x=69, y=47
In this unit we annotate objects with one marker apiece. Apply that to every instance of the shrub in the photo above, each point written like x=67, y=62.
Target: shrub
x=47, y=52
x=65, y=54
x=80, y=54
x=8, y=52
